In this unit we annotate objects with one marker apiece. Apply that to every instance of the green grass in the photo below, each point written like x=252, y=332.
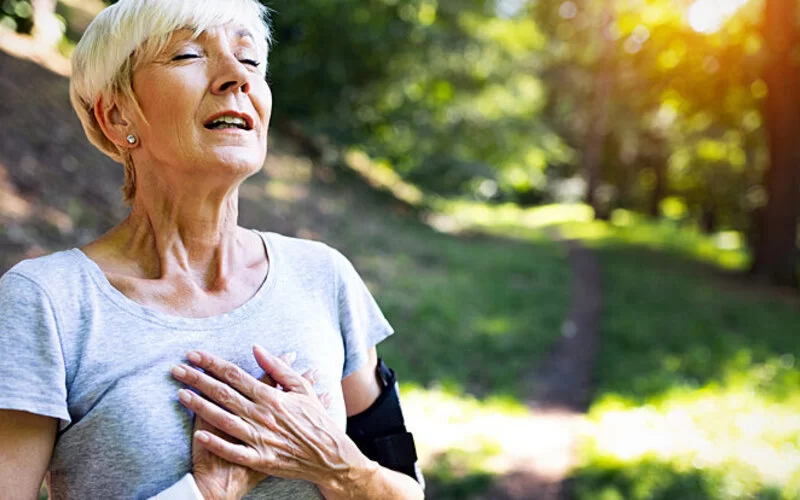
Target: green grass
x=459, y=306
x=652, y=479
x=725, y=249
x=698, y=387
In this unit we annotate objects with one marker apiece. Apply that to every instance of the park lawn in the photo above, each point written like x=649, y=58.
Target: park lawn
x=697, y=380
x=697, y=385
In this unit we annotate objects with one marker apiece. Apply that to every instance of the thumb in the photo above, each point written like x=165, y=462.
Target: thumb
x=280, y=372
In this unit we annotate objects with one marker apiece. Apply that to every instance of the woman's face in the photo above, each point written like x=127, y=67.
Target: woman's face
x=190, y=90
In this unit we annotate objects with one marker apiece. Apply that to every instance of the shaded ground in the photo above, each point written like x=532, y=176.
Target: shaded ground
x=56, y=189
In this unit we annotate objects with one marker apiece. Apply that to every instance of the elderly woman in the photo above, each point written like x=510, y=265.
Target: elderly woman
x=98, y=345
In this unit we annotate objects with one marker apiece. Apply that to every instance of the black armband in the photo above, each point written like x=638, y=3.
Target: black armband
x=380, y=432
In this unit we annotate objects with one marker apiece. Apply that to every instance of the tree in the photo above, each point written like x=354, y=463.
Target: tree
x=775, y=246
x=598, y=124
x=46, y=28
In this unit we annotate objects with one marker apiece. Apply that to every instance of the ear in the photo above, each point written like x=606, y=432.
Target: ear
x=112, y=121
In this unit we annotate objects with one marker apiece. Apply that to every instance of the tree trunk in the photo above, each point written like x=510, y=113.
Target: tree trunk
x=659, y=188
x=598, y=124
x=47, y=29
x=776, y=247
x=708, y=219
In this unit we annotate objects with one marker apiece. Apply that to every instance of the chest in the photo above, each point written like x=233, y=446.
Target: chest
x=180, y=296
x=123, y=401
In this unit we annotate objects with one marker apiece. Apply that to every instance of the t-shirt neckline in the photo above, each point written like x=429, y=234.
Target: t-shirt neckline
x=207, y=323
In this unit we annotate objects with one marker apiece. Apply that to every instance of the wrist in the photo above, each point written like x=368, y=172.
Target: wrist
x=215, y=489
x=353, y=482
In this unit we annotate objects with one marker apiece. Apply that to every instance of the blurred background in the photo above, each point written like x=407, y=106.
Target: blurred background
x=580, y=217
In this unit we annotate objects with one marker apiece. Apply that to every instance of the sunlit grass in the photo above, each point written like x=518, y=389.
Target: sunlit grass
x=726, y=249
x=506, y=219
x=697, y=383
x=748, y=441
x=443, y=419
x=465, y=442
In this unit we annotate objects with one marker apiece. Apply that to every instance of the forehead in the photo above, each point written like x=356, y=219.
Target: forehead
x=234, y=33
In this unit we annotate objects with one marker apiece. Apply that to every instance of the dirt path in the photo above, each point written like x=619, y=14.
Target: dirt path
x=561, y=389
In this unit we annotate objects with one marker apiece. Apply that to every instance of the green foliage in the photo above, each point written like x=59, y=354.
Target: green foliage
x=684, y=110
x=493, y=100
x=442, y=91
x=653, y=479
x=16, y=15
x=453, y=476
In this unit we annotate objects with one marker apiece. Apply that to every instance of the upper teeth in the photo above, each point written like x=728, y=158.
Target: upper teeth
x=233, y=120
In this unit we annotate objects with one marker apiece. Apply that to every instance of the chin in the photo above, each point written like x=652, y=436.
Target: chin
x=245, y=162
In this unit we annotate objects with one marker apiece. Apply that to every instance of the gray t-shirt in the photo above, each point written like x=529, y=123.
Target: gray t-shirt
x=75, y=348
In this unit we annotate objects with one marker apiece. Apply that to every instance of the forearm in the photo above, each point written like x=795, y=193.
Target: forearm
x=371, y=481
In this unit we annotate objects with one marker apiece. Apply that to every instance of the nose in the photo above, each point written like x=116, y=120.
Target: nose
x=231, y=76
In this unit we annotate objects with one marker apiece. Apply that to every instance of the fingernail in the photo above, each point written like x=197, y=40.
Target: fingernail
x=178, y=371
x=257, y=346
x=184, y=395
x=290, y=358
x=201, y=436
x=314, y=375
x=194, y=357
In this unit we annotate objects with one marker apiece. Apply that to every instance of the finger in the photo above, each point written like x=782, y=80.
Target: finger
x=212, y=388
x=289, y=358
x=326, y=400
x=215, y=416
x=227, y=372
x=232, y=452
x=280, y=372
x=311, y=375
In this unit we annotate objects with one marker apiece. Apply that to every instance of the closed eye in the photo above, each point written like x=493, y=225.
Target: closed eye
x=251, y=62
x=181, y=57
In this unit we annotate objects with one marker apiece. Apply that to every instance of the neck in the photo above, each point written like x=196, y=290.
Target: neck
x=189, y=232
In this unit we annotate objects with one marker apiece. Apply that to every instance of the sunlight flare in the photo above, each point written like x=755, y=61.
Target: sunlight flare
x=708, y=16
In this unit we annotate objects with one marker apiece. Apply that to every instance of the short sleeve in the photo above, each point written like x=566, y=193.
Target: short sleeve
x=32, y=371
x=361, y=321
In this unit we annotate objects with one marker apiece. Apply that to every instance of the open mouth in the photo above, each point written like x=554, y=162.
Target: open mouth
x=229, y=121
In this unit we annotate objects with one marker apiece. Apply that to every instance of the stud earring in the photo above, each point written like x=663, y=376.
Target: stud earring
x=131, y=139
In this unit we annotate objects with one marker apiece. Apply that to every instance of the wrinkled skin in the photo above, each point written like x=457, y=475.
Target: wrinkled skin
x=220, y=479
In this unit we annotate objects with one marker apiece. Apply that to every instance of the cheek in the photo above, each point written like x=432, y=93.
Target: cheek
x=167, y=102
x=263, y=101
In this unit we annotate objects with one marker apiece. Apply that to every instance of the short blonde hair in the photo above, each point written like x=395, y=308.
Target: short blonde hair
x=132, y=32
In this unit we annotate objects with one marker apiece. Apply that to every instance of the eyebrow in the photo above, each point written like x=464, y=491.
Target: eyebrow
x=245, y=33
